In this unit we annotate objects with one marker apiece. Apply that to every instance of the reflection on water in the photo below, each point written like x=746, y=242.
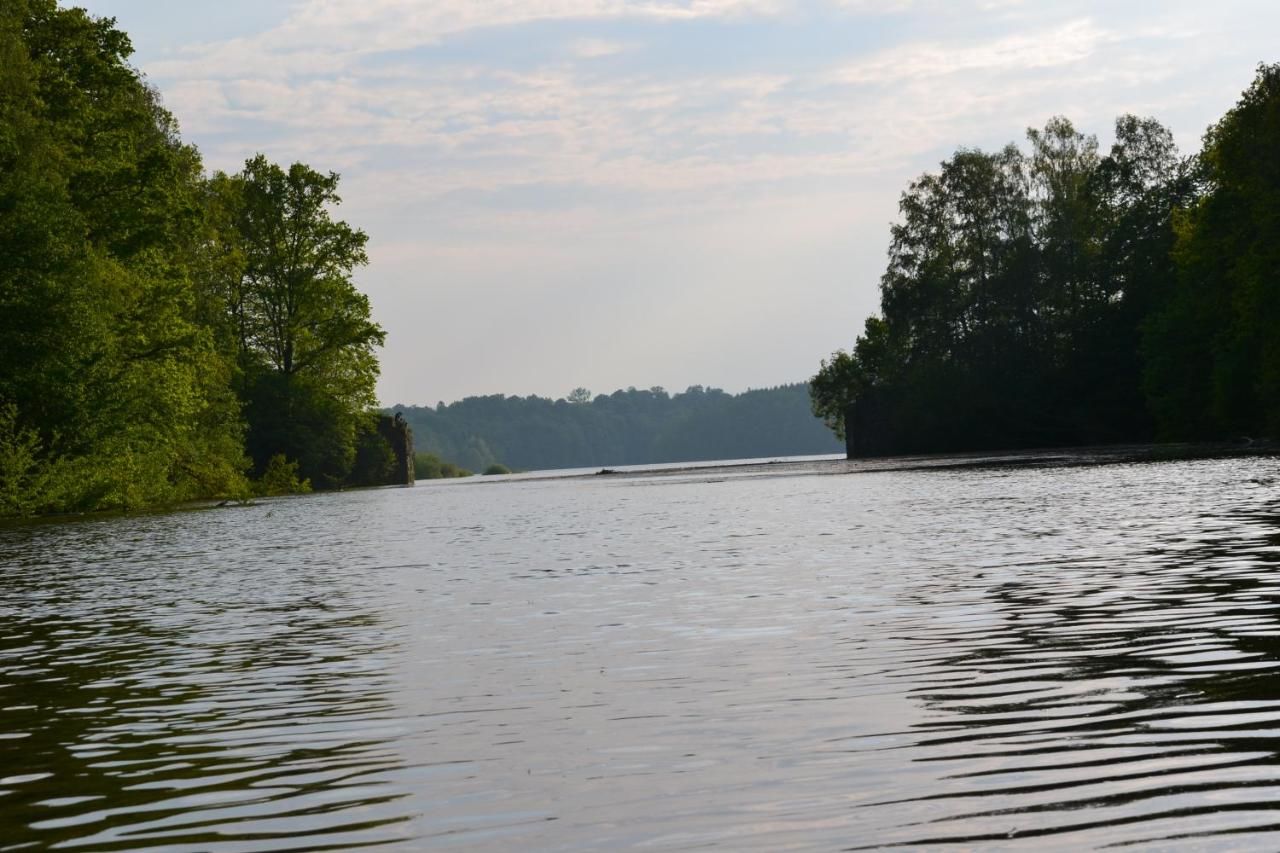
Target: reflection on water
x=165, y=683
x=820, y=655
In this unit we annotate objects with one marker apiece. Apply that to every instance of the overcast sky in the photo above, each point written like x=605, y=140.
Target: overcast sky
x=663, y=192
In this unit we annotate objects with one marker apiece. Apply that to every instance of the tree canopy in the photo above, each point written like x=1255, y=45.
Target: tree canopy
x=1213, y=366
x=1066, y=295
x=304, y=334
x=137, y=293
x=117, y=394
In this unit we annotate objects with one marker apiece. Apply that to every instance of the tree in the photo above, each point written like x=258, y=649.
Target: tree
x=1014, y=298
x=1138, y=186
x=579, y=396
x=114, y=387
x=144, y=306
x=298, y=309
x=1214, y=352
x=845, y=377
x=1061, y=168
x=305, y=334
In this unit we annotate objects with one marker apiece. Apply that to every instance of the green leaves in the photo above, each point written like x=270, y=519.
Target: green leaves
x=1214, y=352
x=301, y=312
x=138, y=296
x=113, y=393
x=1066, y=297
x=1014, y=298
x=304, y=335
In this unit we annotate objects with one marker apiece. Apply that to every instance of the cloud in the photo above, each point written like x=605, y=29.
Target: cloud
x=1064, y=45
x=463, y=129
x=596, y=48
x=326, y=36
x=879, y=7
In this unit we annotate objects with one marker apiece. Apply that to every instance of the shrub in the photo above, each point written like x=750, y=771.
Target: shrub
x=23, y=479
x=281, y=478
x=428, y=466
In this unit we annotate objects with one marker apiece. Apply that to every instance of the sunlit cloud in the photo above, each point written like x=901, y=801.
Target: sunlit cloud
x=1065, y=45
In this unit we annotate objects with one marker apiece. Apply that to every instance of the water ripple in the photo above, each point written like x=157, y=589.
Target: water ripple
x=1056, y=654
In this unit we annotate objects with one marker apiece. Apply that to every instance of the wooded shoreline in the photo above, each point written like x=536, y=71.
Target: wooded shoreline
x=166, y=334
x=1066, y=296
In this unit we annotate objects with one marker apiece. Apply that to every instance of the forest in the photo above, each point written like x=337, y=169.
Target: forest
x=630, y=427
x=1063, y=295
x=165, y=334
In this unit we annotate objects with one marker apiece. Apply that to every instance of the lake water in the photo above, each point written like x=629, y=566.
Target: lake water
x=1037, y=654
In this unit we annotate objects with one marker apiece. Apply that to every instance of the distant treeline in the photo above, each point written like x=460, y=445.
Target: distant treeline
x=630, y=427
x=1066, y=296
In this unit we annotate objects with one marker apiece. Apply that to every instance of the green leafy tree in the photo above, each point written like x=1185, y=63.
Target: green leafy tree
x=1138, y=187
x=1015, y=296
x=300, y=312
x=144, y=306
x=1214, y=352
x=305, y=334
x=102, y=356
x=846, y=377
x=1064, y=215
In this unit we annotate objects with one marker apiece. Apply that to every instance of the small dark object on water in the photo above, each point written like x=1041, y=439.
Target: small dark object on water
x=605, y=471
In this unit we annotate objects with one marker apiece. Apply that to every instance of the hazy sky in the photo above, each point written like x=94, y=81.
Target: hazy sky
x=662, y=192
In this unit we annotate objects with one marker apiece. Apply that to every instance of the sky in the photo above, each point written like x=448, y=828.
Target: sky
x=607, y=193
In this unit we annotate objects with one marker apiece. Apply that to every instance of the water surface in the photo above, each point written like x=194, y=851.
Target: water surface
x=813, y=655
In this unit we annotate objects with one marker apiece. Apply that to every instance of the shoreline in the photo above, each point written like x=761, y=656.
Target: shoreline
x=1049, y=457
x=784, y=466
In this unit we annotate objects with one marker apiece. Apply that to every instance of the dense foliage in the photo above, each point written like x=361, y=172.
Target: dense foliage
x=1214, y=349
x=428, y=466
x=623, y=428
x=1061, y=295
x=141, y=328
x=302, y=332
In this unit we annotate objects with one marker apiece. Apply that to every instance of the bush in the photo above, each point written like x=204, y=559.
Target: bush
x=281, y=478
x=23, y=479
x=428, y=466
x=497, y=468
